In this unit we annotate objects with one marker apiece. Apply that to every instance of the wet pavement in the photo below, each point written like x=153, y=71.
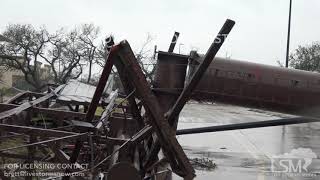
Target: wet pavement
x=271, y=153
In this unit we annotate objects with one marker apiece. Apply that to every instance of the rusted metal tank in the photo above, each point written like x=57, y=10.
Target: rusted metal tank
x=257, y=84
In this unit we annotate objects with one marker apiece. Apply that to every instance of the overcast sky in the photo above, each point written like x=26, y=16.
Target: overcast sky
x=258, y=36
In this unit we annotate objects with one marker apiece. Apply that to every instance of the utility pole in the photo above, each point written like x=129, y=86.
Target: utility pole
x=288, y=38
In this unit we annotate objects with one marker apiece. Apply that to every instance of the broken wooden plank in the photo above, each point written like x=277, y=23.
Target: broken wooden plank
x=22, y=95
x=29, y=104
x=17, y=97
x=48, y=111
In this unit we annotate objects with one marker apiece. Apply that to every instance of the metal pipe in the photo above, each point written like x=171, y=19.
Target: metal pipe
x=248, y=125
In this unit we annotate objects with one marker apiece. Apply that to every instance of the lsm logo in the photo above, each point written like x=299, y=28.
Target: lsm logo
x=294, y=163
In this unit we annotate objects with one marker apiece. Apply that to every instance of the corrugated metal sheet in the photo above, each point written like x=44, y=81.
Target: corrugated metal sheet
x=81, y=92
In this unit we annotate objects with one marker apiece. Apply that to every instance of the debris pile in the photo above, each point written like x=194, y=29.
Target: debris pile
x=135, y=134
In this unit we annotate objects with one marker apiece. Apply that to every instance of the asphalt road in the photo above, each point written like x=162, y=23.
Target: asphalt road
x=271, y=153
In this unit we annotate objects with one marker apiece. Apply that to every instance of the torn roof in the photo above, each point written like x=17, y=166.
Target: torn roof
x=77, y=91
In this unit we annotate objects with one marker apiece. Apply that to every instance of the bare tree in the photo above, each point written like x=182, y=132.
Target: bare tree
x=64, y=56
x=146, y=59
x=65, y=52
x=144, y=55
x=27, y=43
x=100, y=55
x=306, y=57
x=88, y=37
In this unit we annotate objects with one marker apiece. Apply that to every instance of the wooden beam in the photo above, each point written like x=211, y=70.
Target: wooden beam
x=172, y=149
x=101, y=85
x=29, y=104
x=24, y=95
x=48, y=111
x=17, y=97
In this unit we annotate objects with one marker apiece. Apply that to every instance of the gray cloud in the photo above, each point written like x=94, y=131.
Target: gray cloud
x=259, y=34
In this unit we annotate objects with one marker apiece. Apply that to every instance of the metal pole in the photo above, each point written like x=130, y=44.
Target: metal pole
x=288, y=38
x=248, y=125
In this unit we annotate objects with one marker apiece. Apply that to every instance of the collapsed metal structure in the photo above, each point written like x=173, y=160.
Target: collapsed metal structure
x=135, y=135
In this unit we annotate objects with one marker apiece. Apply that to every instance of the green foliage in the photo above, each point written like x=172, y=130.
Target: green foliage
x=306, y=57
